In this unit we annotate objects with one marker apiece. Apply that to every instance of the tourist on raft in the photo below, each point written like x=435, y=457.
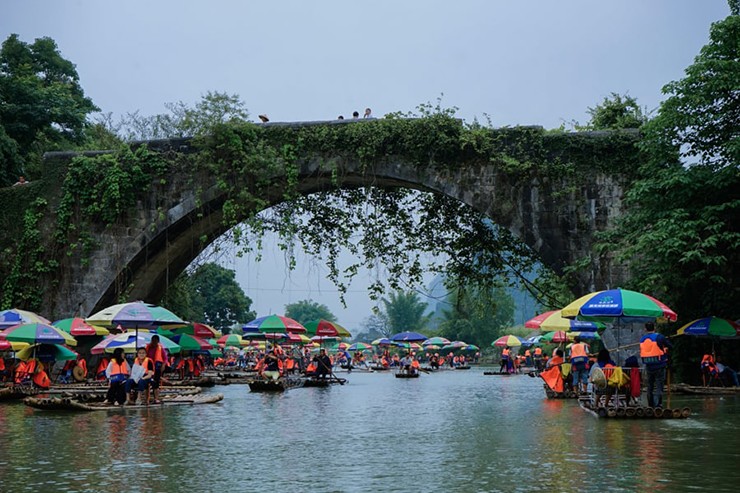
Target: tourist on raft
x=323, y=364
x=654, y=353
x=158, y=354
x=141, y=376
x=273, y=363
x=579, y=354
x=117, y=373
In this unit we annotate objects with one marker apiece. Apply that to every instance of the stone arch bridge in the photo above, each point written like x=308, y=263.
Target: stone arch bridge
x=555, y=215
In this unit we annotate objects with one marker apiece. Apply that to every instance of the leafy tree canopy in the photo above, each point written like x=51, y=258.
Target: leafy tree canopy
x=616, y=112
x=42, y=104
x=307, y=311
x=212, y=295
x=405, y=312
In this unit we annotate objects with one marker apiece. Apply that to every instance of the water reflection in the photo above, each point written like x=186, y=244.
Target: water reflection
x=452, y=431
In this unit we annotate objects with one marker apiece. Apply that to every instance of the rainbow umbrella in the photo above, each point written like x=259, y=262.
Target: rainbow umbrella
x=231, y=340
x=12, y=346
x=618, y=305
x=557, y=336
x=454, y=345
x=275, y=324
x=46, y=352
x=359, y=346
x=325, y=328
x=554, y=321
x=471, y=347
x=436, y=341
x=191, y=343
x=299, y=339
x=409, y=345
x=383, y=341
x=37, y=333
x=198, y=330
x=131, y=341
x=711, y=326
x=509, y=340
x=136, y=315
x=78, y=327
x=431, y=347
x=16, y=316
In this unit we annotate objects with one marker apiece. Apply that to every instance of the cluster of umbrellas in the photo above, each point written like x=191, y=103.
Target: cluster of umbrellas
x=415, y=341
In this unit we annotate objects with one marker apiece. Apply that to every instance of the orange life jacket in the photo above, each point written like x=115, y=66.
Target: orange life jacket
x=650, y=352
x=578, y=353
x=527, y=353
x=20, y=371
x=156, y=354
x=119, y=369
x=538, y=351
x=556, y=360
x=505, y=352
x=415, y=364
x=82, y=364
x=311, y=368
x=41, y=379
x=145, y=363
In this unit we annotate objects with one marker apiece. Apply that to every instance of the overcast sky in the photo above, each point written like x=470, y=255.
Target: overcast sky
x=527, y=62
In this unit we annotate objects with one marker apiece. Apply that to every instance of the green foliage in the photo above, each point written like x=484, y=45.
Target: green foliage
x=477, y=316
x=405, y=312
x=680, y=233
x=616, y=112
x=307, y=311
x=42, y=104
x=212, y=295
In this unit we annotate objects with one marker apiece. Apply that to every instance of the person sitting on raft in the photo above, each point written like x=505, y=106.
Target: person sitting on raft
x=117, y=373
x=556, y=360
x=273, y=363
x=406, y=363
x=141, y=376
x=605, y=364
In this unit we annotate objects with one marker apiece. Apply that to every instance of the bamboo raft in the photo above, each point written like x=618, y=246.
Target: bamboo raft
x=69, y=404
x=634, y=412
x=324, y=382
x=466, y=367
x=499, y=373
x=280, y=385
x=682, y=388
x=379, y=368
x=407, y=375
x=551, y=394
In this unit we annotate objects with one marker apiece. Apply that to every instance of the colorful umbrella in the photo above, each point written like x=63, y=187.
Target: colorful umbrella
x=191, y=343
x=711, y=326
x=431, y=347
x=131, y=341
x=198, y=330
x=231, y=340
x=454, y=345
x=471, y=347
x=78, y=327
x=437, y=341
x=359, y=346
x=553, y=321
x=274, y=323
x=408, y=337
x=16, y=316
x=509, y=340
x=46, y=352
x=557, y=336
x=530, y=341
x=620, y=305
x=136, y=315
x=37, y=333
x=326, y=328
x=383, y=341
x=409, y=345
x=584, y=335
x=12, y=346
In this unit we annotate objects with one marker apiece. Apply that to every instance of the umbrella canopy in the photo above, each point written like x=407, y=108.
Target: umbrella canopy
x=618, y=304
x=437, y=341
x=78, y=327
x=274, y=323
x=37, y=333
x=16, y=316
x=326, y=328
x=455, y=345
x=410, y=345
x=471, y=347
x=711, y=326
x=302, y=339
x=12, y=346
x=359, y=346
x=383, y=341
x=432, y=347
x=557, y=336
x=408, y=337
x=509, y=340
x=191, y=343
x=136, y=314
x=530, y=341
x=584, y=335
x=231, y=340
x=553, y=321
x=198, y=330
x=131, y=341
x=46, y=352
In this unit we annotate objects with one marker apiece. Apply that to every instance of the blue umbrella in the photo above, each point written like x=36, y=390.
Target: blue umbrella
x=408, y=337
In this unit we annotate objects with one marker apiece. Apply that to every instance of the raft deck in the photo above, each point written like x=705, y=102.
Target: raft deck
x=69, y=404
x=633, y=412
x=280, y=385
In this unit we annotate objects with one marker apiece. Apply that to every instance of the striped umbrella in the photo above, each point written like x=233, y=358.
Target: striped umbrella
x=437, y=341
x=325, y=328
x=46, y=352
x=620, y=305
x=383, y=341
x=553, y=321
x=131, y=341
x=78, y=327
x=231, y=340
x=509, y=340
x=408, y=337
x=191, y=343
x=37, y=333
x=711, y=326
x=198, y=330
x=359, y=346
x=557, y=336
x=136, y=315
x=16, y=316
x=275, y=324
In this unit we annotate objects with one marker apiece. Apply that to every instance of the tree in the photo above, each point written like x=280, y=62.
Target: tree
x=616, y=112
x=212, y=295
x=42, y=104
x=405, y=312
x=680, y=232
x=477, y=316
x=306, y=311
x=373, y=327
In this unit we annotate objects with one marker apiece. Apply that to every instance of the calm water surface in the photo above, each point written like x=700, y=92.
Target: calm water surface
x=451, y=431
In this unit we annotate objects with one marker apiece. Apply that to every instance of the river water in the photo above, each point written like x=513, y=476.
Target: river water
x=453, y=431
